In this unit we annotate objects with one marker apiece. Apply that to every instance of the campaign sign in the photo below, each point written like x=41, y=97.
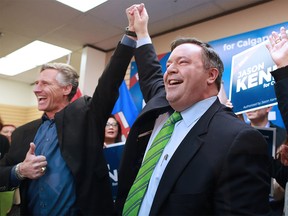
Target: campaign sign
x=230, y=50
x=113, y=154
x=270, y=137
x=252, y=85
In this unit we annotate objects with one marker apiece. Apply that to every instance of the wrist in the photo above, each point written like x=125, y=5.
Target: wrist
x=18, y=172
x=131, y=33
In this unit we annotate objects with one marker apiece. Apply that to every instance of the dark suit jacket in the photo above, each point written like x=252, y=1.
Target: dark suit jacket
x=220, y=168
x=280, y=135
x=280, y=172
x=281, y=77
x=4, y=145
x=80, y=129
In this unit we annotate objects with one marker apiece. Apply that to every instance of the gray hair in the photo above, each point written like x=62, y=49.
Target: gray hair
x=67, y=75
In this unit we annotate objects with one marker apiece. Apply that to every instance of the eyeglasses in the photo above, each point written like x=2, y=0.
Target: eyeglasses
x=108, y=124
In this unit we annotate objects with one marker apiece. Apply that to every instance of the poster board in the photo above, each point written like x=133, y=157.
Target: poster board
x=113, y=155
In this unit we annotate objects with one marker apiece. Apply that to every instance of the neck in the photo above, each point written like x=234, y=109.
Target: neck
x=109, y=140
x=259, y=123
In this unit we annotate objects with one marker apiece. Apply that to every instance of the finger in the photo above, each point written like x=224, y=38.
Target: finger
x=276, y=37
x=32, y=149
x=40, y=158
x=271, y=43
x=141, y=7
x=283, y=33
x=136, y=14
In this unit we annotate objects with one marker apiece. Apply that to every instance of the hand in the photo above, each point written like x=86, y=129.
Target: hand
x=278, y=47
x=138, y=20
x=229, y=104
x=33, y=166
x=282, y=154
x=130, y=17
x=141, y=22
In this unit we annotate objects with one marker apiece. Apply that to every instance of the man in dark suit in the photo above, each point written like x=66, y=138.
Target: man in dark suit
x=214, y=164
x=278, y=48
x=259, y=118
x=57, y=160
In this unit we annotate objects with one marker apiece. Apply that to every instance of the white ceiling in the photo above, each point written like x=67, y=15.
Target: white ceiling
x=23, y=21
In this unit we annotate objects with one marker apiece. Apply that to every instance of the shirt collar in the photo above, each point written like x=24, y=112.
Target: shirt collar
x=195, y=112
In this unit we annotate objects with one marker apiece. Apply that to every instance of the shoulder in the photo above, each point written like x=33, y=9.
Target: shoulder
x=33, y=125
x=3, y=139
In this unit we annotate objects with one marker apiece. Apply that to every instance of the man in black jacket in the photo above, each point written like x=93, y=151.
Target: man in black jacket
x=57, y=160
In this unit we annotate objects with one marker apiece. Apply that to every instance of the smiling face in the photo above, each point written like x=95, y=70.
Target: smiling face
x=186, y=79
x=51, y=96
x=111, y=131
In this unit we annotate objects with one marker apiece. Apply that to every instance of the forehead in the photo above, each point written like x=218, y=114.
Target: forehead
x=187, y=50
x=111, y=119
x=48, y=74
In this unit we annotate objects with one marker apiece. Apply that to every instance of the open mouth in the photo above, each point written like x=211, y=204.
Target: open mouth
x=41, y=99
x=174, y=82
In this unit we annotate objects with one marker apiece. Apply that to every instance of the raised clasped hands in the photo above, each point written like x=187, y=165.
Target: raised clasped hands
x=138, y=20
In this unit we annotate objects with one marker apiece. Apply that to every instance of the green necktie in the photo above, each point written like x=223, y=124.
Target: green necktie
x=138, y=189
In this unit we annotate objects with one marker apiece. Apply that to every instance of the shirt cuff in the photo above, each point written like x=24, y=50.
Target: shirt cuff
x=128, y=41
x=144, y=41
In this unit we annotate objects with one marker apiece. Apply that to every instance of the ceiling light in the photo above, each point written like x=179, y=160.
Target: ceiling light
x=30, y=56
x=82, y=5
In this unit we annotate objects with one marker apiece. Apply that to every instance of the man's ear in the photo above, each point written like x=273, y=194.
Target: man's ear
x=67, y=89
x=213, y=74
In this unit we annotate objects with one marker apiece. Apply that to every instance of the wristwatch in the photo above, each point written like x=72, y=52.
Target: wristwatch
x=130, y=33
x=17, y=172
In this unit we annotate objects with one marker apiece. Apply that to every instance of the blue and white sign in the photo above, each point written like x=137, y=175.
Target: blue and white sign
x=113, y=155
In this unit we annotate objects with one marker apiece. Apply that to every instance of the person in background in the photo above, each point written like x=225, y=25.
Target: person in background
x=5, y=197
x=113, y=133
x=213, y=164
x=259, y=118
x=4, y=142
x=58, y=160
x=278, y=49
x=7, y=130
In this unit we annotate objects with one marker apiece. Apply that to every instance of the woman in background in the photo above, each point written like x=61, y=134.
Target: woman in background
x=7, y=130
x=113, y=131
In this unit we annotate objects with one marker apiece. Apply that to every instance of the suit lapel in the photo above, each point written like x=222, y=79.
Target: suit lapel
x=59, y=117
x=182, y=156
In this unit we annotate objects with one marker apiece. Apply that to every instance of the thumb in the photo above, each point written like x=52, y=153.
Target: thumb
x=32, y=149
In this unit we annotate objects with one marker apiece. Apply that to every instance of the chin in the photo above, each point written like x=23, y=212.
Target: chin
x=41, y=108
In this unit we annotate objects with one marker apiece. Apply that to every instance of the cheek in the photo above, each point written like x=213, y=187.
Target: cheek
x=165, y=77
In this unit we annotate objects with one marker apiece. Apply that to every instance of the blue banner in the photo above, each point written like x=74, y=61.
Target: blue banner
x=113, y=154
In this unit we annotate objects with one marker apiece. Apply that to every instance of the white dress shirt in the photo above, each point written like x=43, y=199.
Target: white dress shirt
x=190, y=117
